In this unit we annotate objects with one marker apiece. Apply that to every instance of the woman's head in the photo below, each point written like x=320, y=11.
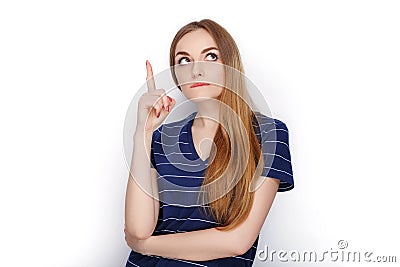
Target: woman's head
x=200, y=52
x=197, y=59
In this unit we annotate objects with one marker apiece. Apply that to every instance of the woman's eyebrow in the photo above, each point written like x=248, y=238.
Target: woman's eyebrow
x=202, y=52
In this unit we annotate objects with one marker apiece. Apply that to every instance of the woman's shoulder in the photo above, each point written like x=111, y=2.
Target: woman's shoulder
x=172, y=128
x=263, y=122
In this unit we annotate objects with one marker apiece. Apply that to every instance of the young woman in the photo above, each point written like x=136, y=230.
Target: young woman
x=197, y=203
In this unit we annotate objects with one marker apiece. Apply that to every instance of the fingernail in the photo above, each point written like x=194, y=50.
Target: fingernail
x=168, y=108
x=170, y=99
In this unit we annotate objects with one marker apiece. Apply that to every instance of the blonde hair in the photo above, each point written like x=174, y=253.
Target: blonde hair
x=232, y=208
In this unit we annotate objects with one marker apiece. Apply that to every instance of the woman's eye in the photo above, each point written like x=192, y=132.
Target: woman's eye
x=214, y=56
x=181, y=59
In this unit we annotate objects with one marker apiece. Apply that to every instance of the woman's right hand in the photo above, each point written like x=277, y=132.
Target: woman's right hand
x=154, y=105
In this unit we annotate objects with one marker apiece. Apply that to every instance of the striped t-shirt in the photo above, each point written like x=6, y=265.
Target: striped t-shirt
x=180, y=175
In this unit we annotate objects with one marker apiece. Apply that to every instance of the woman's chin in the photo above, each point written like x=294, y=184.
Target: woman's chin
x=202, y=98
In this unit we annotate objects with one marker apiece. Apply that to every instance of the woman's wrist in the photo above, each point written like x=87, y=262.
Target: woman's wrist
x=141, y=133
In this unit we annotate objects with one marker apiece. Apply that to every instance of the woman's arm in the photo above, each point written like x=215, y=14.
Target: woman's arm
x=141, y=209
x=211, y=243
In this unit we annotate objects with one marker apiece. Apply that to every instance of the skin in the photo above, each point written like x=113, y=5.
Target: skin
x=210, y=243
x=205, y=97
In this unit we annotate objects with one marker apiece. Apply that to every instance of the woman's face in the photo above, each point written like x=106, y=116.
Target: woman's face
x=198, y=61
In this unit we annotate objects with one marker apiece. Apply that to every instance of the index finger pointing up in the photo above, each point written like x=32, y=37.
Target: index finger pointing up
x=151, y=85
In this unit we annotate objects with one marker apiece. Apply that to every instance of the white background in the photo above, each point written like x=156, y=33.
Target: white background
x=69, y=69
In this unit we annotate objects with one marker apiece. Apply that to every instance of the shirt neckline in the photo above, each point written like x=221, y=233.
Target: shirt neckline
x=190, y=140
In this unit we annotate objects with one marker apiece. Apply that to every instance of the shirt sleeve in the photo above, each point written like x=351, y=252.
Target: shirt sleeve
x=276, y=153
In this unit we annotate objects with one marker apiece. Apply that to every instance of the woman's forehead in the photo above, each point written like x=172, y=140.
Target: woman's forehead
x=195, y=41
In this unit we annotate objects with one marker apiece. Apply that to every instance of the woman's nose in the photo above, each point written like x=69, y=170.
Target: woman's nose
x=197, y=69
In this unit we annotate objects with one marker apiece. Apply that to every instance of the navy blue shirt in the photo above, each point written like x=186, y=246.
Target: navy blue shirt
x=180, y=175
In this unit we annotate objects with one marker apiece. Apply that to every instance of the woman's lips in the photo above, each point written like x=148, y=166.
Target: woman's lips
x=198, y=84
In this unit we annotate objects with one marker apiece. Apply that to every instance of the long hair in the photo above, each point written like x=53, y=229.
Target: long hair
x=233, y=207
